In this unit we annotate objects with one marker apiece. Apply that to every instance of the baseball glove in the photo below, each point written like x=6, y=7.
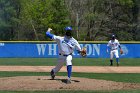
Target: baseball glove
x=83, y=52
x=121, y=51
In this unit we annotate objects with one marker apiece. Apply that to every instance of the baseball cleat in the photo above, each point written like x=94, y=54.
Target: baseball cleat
x=68, y=81
x=117, y=64
x=111, y=64
x=52, y=74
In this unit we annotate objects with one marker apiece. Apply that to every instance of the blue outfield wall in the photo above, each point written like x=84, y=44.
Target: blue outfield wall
x=50, y=50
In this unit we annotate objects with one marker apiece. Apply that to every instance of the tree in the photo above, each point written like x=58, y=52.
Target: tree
x=136, y=19
x=8, y=19
x=90, y=19
x=38, y=15
x=98, y=19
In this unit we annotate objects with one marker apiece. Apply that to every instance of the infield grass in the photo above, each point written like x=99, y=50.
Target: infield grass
x=76, y=61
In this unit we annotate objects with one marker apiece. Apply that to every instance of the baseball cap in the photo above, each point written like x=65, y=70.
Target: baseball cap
x=68, y=28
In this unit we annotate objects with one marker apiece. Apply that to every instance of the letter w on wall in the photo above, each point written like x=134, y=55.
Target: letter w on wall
x=41, y=49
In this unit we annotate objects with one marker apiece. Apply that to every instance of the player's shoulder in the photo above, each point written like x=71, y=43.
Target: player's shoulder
x=74, y=40
x=116, y=40
x=109, y=41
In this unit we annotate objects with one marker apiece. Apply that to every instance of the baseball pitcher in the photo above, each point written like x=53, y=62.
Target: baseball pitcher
x=113, y=46
x=66, y=46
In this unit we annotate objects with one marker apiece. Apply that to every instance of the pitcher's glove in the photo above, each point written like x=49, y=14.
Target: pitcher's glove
x=121, y=51
x=83, y=52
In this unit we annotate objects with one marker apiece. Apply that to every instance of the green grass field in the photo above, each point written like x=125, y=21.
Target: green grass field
x=76, y=61
x=118, y=77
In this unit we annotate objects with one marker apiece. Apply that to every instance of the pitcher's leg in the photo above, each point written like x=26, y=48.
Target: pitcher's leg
x=111, y=58
x=117, y=57
x=59, y=65
x=69, y=67
x=61, y=61
x=69, y=70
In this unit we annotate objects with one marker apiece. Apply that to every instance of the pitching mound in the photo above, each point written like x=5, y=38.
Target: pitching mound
x=21, y=83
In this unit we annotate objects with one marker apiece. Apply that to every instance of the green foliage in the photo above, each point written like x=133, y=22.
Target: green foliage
x=106, y=17
x=41, y=14
x=92, y=16
x=128, y=3
x=8, y=19
x=123, y=34
x=92, y=19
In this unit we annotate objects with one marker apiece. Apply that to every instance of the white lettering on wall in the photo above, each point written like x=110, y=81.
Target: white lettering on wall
x=1, y=44
x=89, y=49
x=52, y=49
x=41, y=49
x=96, y=47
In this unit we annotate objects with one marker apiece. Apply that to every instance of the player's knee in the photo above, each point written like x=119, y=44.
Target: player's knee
x=117, y=56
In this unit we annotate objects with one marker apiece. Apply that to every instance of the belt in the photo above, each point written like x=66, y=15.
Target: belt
x=65, y=54
x=114, y=49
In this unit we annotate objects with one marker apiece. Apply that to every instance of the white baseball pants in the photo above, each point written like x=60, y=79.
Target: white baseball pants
x=61, y=60
x=114, y=52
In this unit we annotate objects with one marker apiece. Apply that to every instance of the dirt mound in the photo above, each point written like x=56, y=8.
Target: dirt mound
x=45, y=83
